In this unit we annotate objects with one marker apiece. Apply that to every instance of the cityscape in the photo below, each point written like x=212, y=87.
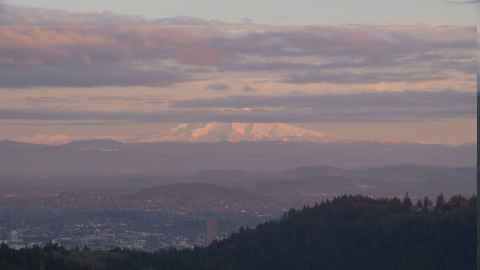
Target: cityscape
x=102, y=222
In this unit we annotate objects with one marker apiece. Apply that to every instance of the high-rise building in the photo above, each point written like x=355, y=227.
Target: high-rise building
x=152, y=241
x=211, y=231
x=12, y=237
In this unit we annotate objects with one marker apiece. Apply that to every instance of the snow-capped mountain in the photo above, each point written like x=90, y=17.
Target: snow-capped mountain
x=234, y=132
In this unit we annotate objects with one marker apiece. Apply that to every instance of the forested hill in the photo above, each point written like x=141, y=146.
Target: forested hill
x=349, y=232
x=356, y=232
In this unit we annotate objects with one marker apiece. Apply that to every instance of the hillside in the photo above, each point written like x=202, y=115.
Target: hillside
x=357, y=232
x=233, y=178
x=349, y=232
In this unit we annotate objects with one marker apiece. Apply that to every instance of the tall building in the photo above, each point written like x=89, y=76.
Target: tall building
x=152, y=241
x=211, y=232
x=12, y=237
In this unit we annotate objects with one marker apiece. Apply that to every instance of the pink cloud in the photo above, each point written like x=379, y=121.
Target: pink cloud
x=36, y=45
x=45, y=139
x=212, y=45
x=127, y=55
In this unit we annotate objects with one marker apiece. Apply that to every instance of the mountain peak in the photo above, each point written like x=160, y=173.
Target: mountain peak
x=234, y=132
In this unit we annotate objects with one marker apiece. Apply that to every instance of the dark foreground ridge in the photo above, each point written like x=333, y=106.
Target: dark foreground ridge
x=349, y=232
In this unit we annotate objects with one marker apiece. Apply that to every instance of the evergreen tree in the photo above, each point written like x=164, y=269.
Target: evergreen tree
x=419, y=203
x=440, y=201
x=426, y=203
x=407, y=203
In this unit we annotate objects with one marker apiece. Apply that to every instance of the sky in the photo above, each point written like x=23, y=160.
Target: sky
x=362, y=69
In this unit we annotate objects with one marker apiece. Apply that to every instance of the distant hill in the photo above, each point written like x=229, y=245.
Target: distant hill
x=311, y=171
x=102, y=144
x=198, y=192
x=456, y=155
x=288, y=187
x=396, y=173
x=407, y=172
x=13, y=145
x=111, y=157
x=222, y=174
x=314, y=189
x=149, y=181
x=383, y=181
x=232, y=178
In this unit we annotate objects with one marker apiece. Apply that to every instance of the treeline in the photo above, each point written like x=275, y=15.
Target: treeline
x=46, y=257
x=349, y=232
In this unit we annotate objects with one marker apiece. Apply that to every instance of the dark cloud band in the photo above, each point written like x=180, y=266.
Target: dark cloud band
x=88, y=76
x=408, y=99
x=406, y=106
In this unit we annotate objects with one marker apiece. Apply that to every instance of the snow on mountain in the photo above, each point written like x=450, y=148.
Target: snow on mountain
x=234, y=132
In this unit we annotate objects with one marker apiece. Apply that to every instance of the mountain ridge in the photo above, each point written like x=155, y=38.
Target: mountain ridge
x=199, y=192
x=235, y=132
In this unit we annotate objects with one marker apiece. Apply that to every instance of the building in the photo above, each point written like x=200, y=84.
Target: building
x=12, y=237
x=211, y=231
x=152, y=242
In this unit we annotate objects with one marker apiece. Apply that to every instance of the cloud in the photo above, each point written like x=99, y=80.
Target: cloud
x=284, y=65
x=143, y=46
x=48, y=99
x=406, y=106
x=248, y=89
x=25, y=15
x=130, y=55
x=74, y=75
x=466, y=67
x=246, y=20
x=45, y=139
x=217, y=87
x=362, y=77
x=408, y=99
x=461, y=62
x=215, y=46
x=77, y=99
x=462, y=2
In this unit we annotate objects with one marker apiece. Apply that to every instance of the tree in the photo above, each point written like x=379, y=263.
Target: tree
x=407, y=203
x=440, y=201
x=419, y=203
x=426, y=203
x=456, y=200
